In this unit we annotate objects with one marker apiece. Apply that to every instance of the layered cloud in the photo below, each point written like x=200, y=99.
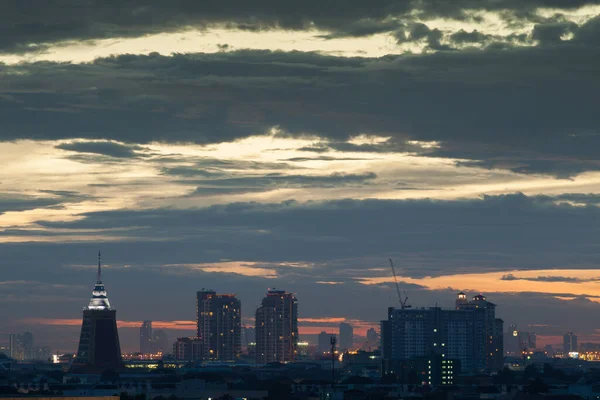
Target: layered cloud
x=27, y=28
x=240, y=145
x=499, y=108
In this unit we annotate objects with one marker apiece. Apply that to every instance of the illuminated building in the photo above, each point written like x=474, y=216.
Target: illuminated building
x=99, y=347
x=21, y=346
x=188, y=349
x=219, y=325
x=346, y=336
x=492, y=328
x=277, y=328
x=146, y=337
x=469, y=334
x=160, y=342
x=461, y=299
x=570, y=343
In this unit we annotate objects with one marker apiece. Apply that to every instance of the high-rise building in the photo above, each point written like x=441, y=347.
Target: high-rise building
x=277, y=328
x=21, y=346
x=99, y=347
x=467, y=334
x=346, y=337
x=494, y=349
x=219, y=325
x=248, y=336
x=146, y=337
x=512, y=343
x=160, y=342
x=461, y=299
x=372, y=336
x=569, y=343
x=323, y=342
x=188, y=349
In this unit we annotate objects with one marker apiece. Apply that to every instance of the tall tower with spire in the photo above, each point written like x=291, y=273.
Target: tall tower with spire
x=99, y=348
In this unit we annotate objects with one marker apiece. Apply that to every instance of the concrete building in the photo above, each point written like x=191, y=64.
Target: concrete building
x=21, y=346
x=323, y=343
x=570, y=343
x=469, y=334
x=492, y=327
x=346, y=337
x=146, y=337
x=160, y=342
x=188, y=349
x=248, y=336
x=99, y=347
x=219, y=325
x=277, y=328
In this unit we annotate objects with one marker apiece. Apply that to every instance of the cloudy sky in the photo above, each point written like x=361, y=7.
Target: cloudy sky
x=241, y=145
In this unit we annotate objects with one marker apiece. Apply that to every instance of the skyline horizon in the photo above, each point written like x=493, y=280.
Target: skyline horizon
x=360, y=327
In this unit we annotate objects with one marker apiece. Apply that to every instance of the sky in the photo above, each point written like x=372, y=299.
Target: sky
x=240, y=146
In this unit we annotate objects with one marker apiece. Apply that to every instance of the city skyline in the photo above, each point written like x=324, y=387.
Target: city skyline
x=147, y=341
x=251, y=145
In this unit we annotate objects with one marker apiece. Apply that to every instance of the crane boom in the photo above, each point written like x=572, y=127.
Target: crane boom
x=403, y=303
x=396, y=282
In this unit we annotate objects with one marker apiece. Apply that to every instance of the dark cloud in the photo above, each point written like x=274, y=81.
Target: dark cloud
x=31, y=25
x=431, y=237
x=464, y=37
x=553, y=32
x=12, y=202
x=275, y=181
x=105, y=148
x=324, y=158
x=566, y=279
x=488, y=107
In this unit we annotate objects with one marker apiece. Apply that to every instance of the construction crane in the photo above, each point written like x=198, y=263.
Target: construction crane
x=403, y=303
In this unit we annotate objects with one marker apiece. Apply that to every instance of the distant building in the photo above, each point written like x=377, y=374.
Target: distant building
x=188, y=349
x=323, y=342
x=160, y=342
x=99, y=347
x=277, y=328
x=512, y=343
x=21, y=346
x=146, y=337
x=569, y=343
x=248, y=336
x=527, y=341
x=346, y=337
x=372, y=337
x=219, y=325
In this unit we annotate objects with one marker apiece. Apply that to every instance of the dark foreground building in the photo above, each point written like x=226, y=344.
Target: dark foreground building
x=99, y=348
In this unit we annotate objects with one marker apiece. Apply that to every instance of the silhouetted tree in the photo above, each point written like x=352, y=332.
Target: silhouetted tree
x=536, y=387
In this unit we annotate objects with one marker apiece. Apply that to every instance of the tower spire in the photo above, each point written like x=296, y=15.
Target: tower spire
x=99, y=299
x=99, y=277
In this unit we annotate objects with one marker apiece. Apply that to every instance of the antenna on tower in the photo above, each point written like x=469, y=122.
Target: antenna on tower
x=99, y=278
x=332, y=342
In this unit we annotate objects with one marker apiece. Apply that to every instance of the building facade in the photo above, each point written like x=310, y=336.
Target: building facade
x=324, y=343
x=219, y=325
x=570, y=343
x=21, y=346
x=470, y=335
x=277, y=328
x=346, y=337
x=188, y=349
x=146, y=337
